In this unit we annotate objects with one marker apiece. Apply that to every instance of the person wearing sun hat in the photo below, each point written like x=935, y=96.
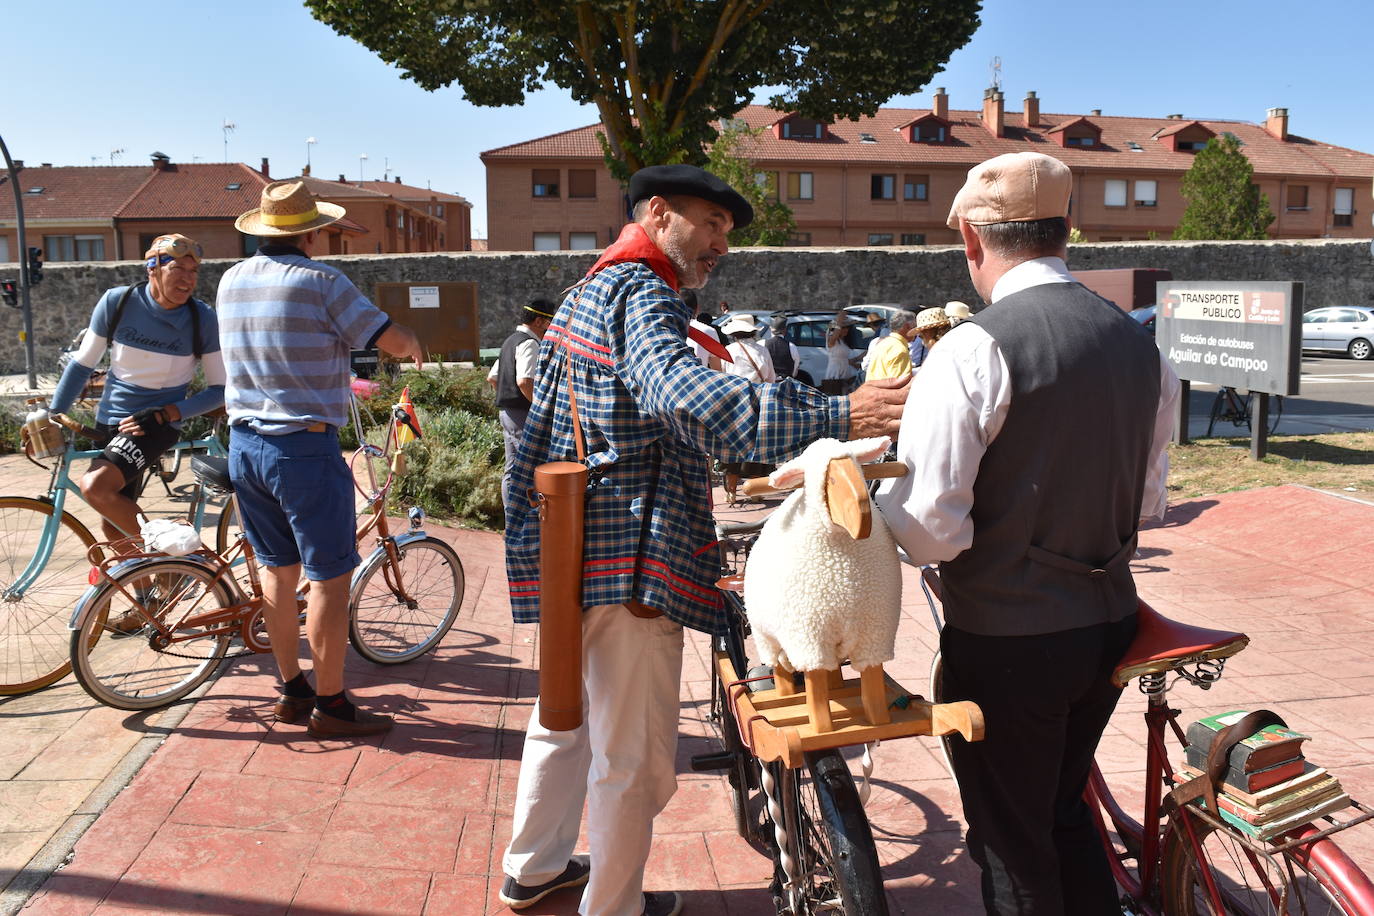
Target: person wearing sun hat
x=288, y=324
x=156, y=332
x=1035, y=435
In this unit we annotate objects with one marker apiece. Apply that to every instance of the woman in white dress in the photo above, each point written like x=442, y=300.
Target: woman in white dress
x=839, y=367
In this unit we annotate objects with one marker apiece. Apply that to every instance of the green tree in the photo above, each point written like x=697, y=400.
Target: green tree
x=661, y=71
x=729, y=160
x=1223, y=200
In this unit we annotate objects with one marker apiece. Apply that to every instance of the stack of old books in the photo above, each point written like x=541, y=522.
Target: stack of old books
x=1269, y=787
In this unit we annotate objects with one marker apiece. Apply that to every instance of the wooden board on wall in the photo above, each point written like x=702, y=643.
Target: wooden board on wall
x=443, y=315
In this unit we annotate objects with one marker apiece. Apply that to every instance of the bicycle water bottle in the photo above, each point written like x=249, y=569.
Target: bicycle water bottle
x=45, y=437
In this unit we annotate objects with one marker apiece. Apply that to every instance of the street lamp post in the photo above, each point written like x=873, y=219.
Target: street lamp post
x=309, y=142
x=362, y=158
x=23, y=258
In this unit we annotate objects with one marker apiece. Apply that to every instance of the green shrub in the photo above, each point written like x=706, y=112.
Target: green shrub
x=452, y=482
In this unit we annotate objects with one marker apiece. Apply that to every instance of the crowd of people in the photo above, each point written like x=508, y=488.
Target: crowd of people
x=1027, y=501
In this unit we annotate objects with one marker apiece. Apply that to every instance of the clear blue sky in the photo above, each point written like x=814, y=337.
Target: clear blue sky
x=90, y=76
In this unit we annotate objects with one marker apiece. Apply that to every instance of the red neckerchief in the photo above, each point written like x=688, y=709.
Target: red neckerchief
x=634, y=244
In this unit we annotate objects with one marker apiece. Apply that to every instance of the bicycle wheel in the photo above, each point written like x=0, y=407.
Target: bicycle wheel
x=387, y=627
x=1218, y=408
x=228, y=526
x=828, y=840
x=937, y=695
x=34, y=611
x=1275, y=412
x=121, y=659
x=1250, y=883
x=743, y=772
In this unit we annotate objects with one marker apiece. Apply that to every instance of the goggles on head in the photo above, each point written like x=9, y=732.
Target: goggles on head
x=170, y=247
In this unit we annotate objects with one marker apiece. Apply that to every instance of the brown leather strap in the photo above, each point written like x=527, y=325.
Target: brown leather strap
x=744, y=345
x=1229, y=737
x=578, y=440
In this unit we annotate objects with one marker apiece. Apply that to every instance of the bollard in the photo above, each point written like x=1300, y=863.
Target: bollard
x=562, y=488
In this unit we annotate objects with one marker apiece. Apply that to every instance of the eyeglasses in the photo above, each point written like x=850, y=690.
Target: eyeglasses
x=172, y=247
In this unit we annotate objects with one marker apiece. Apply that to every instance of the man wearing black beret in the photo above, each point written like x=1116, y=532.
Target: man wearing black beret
x=649, y=415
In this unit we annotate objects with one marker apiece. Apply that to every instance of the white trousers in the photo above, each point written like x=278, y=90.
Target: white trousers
x=621, y=761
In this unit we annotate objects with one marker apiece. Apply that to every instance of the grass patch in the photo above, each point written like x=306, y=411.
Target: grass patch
x=1333, y=461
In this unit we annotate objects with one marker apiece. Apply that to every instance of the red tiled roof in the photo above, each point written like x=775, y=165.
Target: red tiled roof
x=970, y=142
x=1180, y=126
x=410, y=192
x=1072, y=122
x=72, y=192
x=196, y=191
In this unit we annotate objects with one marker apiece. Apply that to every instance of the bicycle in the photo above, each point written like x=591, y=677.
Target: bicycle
x=403, y=599
x=1231, y=406
x=808, y=813
x=1180, y=857
x=43, y=562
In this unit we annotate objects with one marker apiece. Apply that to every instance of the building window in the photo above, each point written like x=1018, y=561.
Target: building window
x=439, y=211
x=1341, y=212
x=802, y=129
x=883, y=187
x=545, y=182
x=916, y=187
x=913, y=238
x=799, y=186
x=90, y=248
x=4, y=249
x=799, y=239
x=928, y=132
x=1115, y=192
x=1190, y=146
x=581, y=241
x=59, y=248
x=387, y=219
x=1084, y=140
x=400, y=219
x=1146, y=193
x=880, y=238
x=547, y=241
x=581, y=184
x=1297, y=197
x=768, y=181
x=248, y=244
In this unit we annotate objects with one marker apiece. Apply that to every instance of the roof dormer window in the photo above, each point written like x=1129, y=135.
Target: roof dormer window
x=928, y=128
x=866, y=137
x=35, y=190
x=1080, y=133
x=1086, y=140
x=799, y=128
x=1186, y=136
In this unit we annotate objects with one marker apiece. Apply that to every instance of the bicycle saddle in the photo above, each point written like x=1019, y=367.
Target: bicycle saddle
x=1162, y=644
x=212, y=470
x=733, y=529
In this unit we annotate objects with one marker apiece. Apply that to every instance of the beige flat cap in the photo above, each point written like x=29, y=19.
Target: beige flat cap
x=1013, y=188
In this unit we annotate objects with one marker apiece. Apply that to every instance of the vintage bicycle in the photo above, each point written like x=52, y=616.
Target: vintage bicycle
x=1231, y=406
x=403, y=599
x=43, y=564
x=1183, y=859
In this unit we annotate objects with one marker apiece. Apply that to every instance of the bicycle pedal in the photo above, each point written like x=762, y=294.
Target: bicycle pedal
x=705, y=763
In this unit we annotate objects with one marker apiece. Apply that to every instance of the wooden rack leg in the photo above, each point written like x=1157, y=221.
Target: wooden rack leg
x=782, y=680
x=818, y=700
x=873, y=688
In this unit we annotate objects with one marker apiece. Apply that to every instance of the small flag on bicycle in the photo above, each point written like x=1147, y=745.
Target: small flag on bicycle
x=407, y=423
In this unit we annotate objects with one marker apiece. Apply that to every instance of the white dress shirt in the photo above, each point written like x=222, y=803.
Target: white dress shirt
x=526, y=355
x=751, y=361
x=954, y=410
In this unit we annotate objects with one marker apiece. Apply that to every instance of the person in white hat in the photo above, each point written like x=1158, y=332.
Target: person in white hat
x=751, y=359
x=1036, y=437
x=288, y=324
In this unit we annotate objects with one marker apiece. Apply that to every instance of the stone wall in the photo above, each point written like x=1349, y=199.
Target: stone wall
x=1335, y=271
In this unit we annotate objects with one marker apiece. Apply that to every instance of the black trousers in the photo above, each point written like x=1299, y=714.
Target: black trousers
x=1046, y=700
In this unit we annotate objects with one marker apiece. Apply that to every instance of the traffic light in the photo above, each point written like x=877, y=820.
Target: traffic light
x=35, y=266
x=9, y=291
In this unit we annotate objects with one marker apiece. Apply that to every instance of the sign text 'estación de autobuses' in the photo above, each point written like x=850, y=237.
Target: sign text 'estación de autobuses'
x=1239, y=334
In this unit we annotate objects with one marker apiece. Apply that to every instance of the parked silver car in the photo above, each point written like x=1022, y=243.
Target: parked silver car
x=1340, y=329
x=808, y=332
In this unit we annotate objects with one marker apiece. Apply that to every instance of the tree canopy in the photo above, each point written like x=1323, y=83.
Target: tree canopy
x=1223, y=200
x=729, y=160
x=661, y=71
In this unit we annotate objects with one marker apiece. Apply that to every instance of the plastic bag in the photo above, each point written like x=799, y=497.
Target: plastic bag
x=170, y=536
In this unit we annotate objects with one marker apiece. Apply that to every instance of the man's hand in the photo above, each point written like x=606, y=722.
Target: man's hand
x=139, y=423
x=875, y=408
x=399, y=340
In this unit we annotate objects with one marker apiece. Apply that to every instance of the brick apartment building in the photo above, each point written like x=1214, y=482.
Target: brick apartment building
x=890, y=179
x=111, y=213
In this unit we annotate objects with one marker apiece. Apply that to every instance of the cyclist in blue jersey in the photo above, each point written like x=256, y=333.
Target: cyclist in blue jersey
x=156, y=333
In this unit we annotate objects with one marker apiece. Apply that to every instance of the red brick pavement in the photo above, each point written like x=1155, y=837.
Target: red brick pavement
x=238, y=815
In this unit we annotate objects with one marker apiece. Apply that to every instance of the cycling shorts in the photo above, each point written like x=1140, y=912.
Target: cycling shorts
x=133, y=455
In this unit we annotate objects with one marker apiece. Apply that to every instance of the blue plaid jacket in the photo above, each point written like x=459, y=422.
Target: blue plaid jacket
x=651, y=413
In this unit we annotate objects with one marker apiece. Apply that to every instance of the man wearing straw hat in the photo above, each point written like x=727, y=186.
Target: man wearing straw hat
x=649, y=413
x=1036, y=439
x=287, y=324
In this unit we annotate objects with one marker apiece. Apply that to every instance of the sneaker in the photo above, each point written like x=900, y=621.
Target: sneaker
x=517, y=896
x=662, y=903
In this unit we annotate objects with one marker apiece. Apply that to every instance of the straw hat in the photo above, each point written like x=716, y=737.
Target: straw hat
x=288, y=208
x=957, y=311
x=741, y=323
x=931, y=319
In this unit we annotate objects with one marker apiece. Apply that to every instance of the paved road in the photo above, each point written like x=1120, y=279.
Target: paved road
x=1337, y=396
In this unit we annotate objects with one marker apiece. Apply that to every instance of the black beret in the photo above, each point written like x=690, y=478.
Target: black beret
x=690, y=181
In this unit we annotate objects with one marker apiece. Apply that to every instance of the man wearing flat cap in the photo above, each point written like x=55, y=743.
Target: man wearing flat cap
x=288, y=325
x=156, y=332
x=1035, y=434
x=648, y=415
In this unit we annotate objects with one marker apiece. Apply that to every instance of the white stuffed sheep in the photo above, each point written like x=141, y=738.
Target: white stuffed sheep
x=817, y=596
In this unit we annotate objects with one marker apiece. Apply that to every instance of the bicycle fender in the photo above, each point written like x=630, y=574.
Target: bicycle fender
x=86, y=604
x=402, y=540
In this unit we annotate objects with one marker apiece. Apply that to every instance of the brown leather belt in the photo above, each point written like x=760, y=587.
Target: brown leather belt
x=317, y=428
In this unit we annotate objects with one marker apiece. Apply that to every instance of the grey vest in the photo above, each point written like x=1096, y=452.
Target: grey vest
x=508, y=393
x=1057, y=499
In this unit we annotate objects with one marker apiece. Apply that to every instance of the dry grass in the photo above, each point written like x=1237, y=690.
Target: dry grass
x=1342, y=462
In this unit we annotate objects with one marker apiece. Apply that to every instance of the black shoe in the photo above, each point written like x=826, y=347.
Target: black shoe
x=662, y=903
x=517, y=896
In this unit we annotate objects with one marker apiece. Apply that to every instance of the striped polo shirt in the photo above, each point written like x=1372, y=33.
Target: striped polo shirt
x=286, y=325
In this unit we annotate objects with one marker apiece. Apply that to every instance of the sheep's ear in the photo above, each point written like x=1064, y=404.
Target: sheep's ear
x=866, y=450
x=787, y=476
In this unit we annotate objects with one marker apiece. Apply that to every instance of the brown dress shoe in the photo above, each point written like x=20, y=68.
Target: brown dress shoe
x=323, y=725
x=290, y=709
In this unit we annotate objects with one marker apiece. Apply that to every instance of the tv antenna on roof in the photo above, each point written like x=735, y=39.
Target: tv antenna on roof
x=997, y=73
x=116, y=153
x=228, y=128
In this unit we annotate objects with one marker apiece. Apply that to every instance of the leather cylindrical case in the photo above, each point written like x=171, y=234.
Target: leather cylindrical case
x=562, y=487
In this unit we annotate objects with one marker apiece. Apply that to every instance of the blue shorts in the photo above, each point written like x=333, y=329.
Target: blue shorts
x=295, y=497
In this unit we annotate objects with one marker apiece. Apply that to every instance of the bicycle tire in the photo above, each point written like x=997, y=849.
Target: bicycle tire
x=833, y=845
x=169, y=464
x=1218, y=404
x=227, y=527
x=743, y=772
x=937, y=695
x=1247, y=882
x=127, y=670
x=387, y=631
x=33, y=627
